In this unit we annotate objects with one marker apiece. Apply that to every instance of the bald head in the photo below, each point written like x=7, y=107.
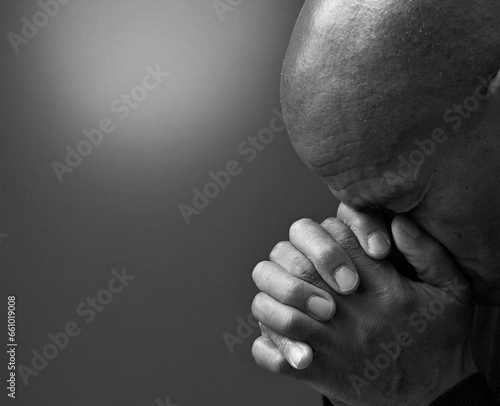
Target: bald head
x=364, y=78
x=366, y=81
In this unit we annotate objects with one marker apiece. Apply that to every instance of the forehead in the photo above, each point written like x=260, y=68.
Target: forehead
x=359, y=85
x=369, y=71
x=344, y=103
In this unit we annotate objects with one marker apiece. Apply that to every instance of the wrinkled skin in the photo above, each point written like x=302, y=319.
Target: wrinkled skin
x=428, y=318
x=363, y=80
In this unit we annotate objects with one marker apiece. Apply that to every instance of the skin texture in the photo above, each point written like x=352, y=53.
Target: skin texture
x=365, y=84
x=429, y=314
x=363, y=80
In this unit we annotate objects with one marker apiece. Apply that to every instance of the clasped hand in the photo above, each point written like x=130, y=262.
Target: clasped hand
x=335, y=314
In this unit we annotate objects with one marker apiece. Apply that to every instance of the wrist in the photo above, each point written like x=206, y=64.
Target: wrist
x=449, y=376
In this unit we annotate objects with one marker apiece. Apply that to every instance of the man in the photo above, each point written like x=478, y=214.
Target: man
x=386, y=100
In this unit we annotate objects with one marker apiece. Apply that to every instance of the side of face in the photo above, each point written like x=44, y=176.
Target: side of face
x=364, y=80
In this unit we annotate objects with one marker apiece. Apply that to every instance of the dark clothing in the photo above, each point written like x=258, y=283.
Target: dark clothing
x=473, y=391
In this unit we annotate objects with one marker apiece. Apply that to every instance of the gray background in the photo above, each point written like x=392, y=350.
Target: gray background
x=162, y=336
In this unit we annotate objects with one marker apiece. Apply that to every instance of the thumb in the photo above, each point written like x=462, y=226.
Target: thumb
x=431, y=260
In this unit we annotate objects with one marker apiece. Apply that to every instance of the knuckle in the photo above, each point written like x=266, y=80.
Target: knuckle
x=255, y=348
x=348, y=241
x=342, y=211
x=278, y=250
x=258, y=353
x=392, y=297
x=348, y=216
x=369, y=332
x=257, y=305
x=303, y=268
x=327, y=255
x=274, y=363
x=331, y=222
x=298, y=227
x=260, y=270
x=292, y=325
x=337, y=228
x=340, y=232
x=294, y=291
x=355, y=220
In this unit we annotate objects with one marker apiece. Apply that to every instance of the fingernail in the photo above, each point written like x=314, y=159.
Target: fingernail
x=296, y=356
x=263, y=329
x=320, y=307
x=378, y=244
x=345, y=278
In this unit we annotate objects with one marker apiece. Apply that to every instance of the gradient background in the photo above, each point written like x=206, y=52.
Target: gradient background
x=163, y=335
